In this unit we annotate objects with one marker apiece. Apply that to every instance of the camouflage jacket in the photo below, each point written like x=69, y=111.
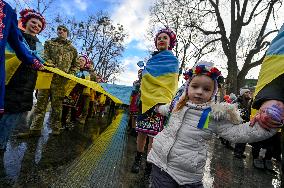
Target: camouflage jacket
x=62, y=54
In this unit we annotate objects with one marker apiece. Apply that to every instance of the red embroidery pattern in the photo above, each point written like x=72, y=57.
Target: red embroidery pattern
x=2, y=16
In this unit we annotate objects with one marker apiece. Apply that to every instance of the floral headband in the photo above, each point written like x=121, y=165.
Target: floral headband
x=88, y=62
x=212, y=72
x=27, y=14
x=171, y=34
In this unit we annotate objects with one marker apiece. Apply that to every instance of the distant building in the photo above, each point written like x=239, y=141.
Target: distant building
x=250, y=84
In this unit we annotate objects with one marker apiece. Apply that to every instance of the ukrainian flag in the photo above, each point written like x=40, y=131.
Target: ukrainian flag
x=273, y=64
x=159, y=80
x=119, y=94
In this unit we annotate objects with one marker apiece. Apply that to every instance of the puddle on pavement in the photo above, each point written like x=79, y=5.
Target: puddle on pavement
x=24, y=159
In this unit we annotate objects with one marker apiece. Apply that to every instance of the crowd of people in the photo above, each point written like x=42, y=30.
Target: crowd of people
x=179, y=126
x=70, y=104
x=175, y=123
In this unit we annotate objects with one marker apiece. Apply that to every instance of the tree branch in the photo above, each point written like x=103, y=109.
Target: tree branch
x=252, y=13
x=205, y=32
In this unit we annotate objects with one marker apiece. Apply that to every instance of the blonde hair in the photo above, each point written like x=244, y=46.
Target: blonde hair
x=181, y=103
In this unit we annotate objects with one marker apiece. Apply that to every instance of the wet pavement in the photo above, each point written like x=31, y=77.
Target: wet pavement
x=223, y=170
x=100, y=154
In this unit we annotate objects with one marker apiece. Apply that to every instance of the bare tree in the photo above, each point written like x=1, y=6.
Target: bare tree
x=170, y=13
x=100, y=39
x=241, y=32
x=239, y=46
x=39, y=5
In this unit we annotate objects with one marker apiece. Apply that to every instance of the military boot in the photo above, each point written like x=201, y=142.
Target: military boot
x=137, y=163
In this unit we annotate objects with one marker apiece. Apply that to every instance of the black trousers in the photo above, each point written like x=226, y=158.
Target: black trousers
x=272, y=146
x=161, y=179
x=239, y=148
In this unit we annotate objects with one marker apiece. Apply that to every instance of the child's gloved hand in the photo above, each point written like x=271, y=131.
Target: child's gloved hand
x=270, y=115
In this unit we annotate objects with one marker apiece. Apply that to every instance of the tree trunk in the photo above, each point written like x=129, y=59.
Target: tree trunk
x=231, y=80
x=241, y=81
x=241, y=78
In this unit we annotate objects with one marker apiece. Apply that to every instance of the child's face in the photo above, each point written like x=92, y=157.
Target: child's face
x=200, y=89
x=163, y=42
x=82, y=62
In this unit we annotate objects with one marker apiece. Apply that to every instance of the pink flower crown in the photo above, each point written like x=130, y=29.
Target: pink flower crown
x=212, y=72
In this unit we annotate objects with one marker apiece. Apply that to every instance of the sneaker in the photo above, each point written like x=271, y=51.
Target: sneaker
x=258, y=163
x=269, y=165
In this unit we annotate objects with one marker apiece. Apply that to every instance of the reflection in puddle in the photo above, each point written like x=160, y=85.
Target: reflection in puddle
x=42, y=142
x=12, y=160
x=27, y=162
x=208, y=179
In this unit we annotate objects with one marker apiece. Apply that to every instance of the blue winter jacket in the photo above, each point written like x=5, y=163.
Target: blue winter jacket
x=10, y=33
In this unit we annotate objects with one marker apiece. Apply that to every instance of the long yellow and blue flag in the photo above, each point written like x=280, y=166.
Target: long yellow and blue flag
x=159, y=79
x=273, y=64
x=119, y=94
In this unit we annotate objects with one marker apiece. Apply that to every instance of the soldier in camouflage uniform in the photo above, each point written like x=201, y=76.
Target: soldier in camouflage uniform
x=62, y=54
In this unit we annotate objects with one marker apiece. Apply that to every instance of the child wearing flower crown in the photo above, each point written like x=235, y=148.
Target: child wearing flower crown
x=79, y=98
x=179, y=151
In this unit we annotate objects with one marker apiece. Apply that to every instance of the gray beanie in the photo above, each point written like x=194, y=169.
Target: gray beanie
x=243, y=91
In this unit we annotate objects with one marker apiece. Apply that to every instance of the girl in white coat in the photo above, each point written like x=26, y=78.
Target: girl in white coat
x=179, y=152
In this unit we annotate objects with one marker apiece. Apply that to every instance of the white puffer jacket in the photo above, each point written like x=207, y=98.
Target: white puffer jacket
x=181, y=148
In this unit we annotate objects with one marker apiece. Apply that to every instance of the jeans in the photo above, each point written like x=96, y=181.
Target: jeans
x=7, y=124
